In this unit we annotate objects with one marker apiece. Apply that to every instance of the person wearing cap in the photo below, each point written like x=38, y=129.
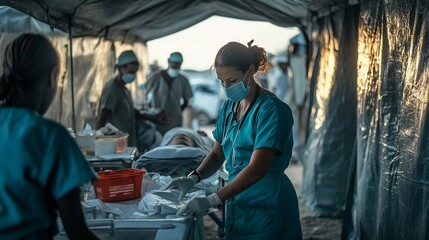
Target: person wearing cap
x=116, y=105
x=284, y=86
x=170, y=91
x=280, y=77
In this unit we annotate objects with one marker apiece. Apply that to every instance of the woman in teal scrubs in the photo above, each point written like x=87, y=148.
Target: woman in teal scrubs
x=253, y=135
x=41, y=168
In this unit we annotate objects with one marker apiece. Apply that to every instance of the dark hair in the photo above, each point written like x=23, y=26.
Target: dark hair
x=236, y=55
x=27, y=62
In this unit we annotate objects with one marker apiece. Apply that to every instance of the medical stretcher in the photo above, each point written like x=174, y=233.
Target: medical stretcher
x=158, y=227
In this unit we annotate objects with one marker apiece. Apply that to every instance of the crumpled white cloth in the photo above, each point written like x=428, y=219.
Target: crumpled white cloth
x=165, y=202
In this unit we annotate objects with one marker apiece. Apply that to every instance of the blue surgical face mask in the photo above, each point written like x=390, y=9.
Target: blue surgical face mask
x=173, y=72
x=128, y=77
x=238, y=91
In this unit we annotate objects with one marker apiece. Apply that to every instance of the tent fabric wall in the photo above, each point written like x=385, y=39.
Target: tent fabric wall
x=94, y=61
x=393, y=120
x=332, y=123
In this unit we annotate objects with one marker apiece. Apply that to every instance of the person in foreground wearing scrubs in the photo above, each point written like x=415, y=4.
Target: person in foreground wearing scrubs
x=254, y=135
x=41, y=167
x=116, y=105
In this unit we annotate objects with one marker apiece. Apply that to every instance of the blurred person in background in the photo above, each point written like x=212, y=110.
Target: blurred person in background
x=116, y=105
x=279, y=82
x=41, y=167
x=287, y=87
x=297, y=52
x=170, y=91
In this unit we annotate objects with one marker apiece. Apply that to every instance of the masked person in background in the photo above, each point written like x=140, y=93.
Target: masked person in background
x=170, y=91
x=41, y=167
x=116, y=105
x=254, y=135
x=280, y=78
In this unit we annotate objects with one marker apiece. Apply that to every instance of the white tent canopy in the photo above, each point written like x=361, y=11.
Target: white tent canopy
x=130, y=20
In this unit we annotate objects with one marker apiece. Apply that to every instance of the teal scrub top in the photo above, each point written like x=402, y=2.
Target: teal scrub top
x=117, y=99
x=269, y=208
x=39, y=164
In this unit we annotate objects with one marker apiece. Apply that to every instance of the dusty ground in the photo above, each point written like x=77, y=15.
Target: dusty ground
x=312, y=228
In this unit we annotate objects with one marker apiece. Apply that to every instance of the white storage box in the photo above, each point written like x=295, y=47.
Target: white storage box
x=86, y=143
x=111, y=144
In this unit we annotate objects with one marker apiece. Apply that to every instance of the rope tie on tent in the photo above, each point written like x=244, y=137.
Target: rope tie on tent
x=46, y=9
x=49, y=19
x=106, y=32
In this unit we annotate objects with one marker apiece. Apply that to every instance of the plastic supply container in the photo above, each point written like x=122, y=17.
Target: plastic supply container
x=111, y=144
x=86, y=144
x=85, y=141
x=119, y=185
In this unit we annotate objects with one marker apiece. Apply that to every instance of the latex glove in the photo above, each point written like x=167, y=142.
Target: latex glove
x=183, y=184
x=200, y=205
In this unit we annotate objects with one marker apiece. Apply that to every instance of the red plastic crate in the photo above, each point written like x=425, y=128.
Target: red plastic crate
x=118, y=185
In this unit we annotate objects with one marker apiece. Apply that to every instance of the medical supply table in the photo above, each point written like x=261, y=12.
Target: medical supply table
x=107, y=226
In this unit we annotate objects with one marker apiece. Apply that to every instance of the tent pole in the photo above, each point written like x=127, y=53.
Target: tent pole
x=71, y=74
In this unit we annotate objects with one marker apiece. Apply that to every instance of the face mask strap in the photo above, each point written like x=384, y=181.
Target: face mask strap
x=248, y=82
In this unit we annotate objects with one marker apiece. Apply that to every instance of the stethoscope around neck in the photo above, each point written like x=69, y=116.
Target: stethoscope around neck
x=233, y=113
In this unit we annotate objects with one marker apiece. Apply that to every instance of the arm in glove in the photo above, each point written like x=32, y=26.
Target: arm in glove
x=183, y=184
x=200, y=205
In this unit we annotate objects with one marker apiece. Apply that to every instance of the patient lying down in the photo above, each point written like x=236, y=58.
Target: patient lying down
x=181, y=150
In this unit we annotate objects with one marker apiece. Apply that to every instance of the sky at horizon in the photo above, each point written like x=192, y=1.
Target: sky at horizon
x=200, y=43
